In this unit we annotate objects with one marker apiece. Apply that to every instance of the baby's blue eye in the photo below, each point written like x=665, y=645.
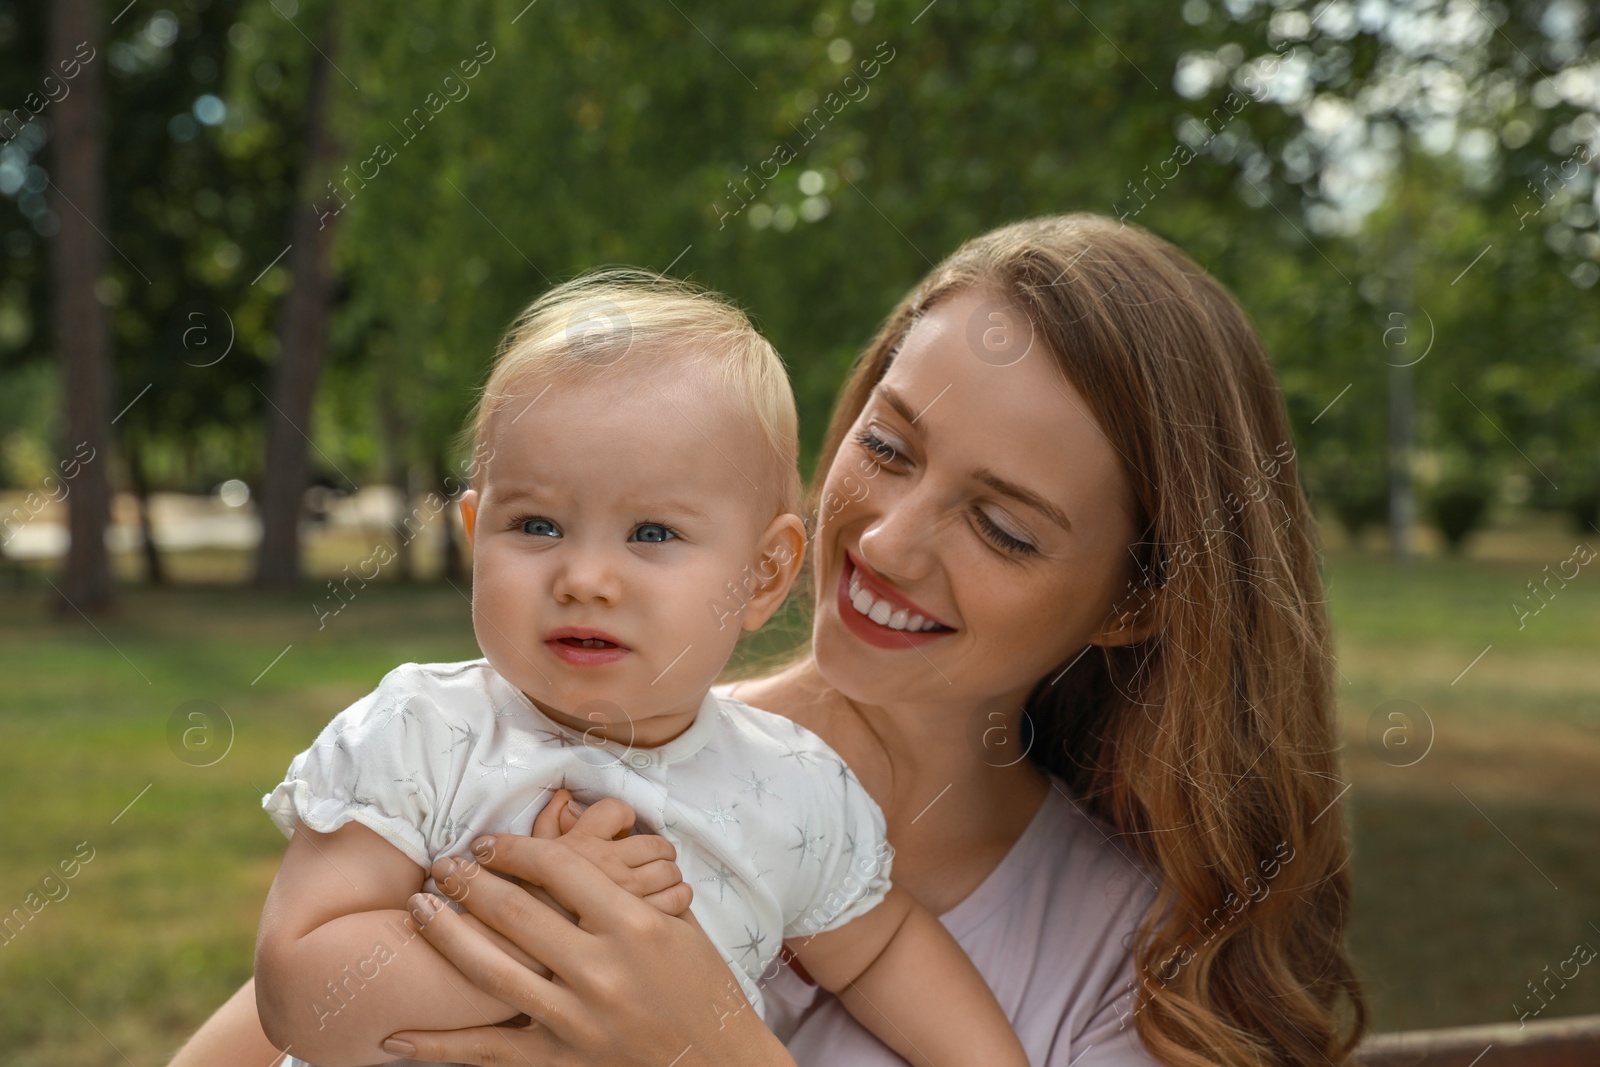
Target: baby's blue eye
x=540, y=528
x=652, y=532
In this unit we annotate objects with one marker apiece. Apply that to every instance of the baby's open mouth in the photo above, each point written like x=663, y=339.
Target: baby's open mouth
x=586, y=642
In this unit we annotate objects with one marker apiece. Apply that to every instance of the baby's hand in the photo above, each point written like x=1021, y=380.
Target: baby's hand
x=642, y=864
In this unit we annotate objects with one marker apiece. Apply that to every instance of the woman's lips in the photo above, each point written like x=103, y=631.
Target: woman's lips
x=873, y=633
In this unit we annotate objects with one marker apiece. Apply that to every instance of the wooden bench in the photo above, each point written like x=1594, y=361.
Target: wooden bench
x=1571, y=1042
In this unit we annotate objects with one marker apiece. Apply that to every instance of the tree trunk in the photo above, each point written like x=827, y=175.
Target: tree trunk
x=396, y=432
x=303, y=335
x=82, y=329
x=1402, y=496
x=1402, y=414
x=453, y=567
x=155, y=574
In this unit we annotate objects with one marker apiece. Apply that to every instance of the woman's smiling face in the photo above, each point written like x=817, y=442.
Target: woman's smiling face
x=983, y=498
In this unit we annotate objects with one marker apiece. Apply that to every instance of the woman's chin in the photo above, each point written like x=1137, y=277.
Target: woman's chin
x=861, y=672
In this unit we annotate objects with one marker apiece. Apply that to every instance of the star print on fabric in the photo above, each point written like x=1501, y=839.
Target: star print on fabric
x=558, y=737
x=799, y=755
x=844, y=776
x=454, y=824
x=504, y=767
x=341, y=741
x=405, y=713
x=757, y=785
x=756, y=862
x=721, y=815
x=721, y=877
x=809, y=843
x=410, y=780
x=850, y=845
x=752, y=946
x=359, y=800
x=468, y=736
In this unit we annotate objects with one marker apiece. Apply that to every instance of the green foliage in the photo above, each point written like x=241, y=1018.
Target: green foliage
x=813, y=161
x=1458, y=508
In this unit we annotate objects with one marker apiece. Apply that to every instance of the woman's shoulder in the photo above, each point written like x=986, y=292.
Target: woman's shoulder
x=1050, y=931
x=1069, y=869
x=795, y=692
x=1052, y=928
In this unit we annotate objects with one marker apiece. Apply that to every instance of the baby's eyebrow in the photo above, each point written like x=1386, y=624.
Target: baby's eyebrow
x=644, y=507
x=667, y=507
x=513, y=496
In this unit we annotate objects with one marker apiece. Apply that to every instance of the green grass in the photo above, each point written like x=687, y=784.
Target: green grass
x=1456, y=906
x=1478, y=866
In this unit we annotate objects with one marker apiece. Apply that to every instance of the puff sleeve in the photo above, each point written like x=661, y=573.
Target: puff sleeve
x=371, y=765
x=848, y=834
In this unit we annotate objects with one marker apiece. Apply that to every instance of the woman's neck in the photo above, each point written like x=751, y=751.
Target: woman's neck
x=952, y=814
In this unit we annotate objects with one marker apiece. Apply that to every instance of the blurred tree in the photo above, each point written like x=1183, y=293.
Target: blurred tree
x=194, y=217
x=302, y=333
x=82, y=331
x=1415, y=135
x=199, y=209
x=812, y=161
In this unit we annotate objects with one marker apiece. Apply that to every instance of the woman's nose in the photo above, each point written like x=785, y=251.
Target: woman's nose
x=898, y=541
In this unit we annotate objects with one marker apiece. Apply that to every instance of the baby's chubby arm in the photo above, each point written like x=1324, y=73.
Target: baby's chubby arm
x=339, y=965
x=901, y=974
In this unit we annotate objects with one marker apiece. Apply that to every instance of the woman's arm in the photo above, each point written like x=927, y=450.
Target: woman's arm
x=232, y=1035
x=636, y=986
x=901, y=974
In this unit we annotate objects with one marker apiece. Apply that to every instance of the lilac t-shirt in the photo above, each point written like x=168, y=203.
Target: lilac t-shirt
x=1048, y=929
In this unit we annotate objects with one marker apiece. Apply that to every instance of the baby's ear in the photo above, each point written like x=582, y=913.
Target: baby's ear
x=469, y=512
x=780, y=551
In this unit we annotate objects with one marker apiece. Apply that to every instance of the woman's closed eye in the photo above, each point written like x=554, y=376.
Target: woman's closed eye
x=885, y=453
x=1000, y=538
x=882, y=451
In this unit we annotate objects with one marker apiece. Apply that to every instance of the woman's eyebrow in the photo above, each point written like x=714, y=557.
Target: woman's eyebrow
x=1021, y=494
x=981, y=474
x=898, y=404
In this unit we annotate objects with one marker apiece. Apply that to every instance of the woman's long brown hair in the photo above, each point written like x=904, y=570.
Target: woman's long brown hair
x=1209, y=746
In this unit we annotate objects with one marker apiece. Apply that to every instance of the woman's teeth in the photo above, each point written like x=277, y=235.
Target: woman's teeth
x=884, y=613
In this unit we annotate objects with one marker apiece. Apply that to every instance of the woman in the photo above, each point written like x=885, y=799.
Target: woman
x=1067, y=447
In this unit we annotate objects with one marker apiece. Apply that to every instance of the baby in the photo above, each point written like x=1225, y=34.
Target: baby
x=633, y=510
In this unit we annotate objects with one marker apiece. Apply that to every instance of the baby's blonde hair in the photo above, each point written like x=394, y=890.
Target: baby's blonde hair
x=610, y=324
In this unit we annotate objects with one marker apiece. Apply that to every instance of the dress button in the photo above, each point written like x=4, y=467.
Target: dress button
x=639, y=759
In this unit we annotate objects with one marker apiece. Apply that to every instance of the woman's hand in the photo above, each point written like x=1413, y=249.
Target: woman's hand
x=631, y=984
x=643, y=864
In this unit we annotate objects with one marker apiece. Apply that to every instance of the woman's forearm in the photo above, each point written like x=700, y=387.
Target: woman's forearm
x=233, y=1034
x=332, y=996
x=923, y=997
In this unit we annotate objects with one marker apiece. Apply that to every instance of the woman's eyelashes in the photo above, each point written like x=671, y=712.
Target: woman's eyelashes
x=1000, y=538
x=644, y=532
x=882, y=451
